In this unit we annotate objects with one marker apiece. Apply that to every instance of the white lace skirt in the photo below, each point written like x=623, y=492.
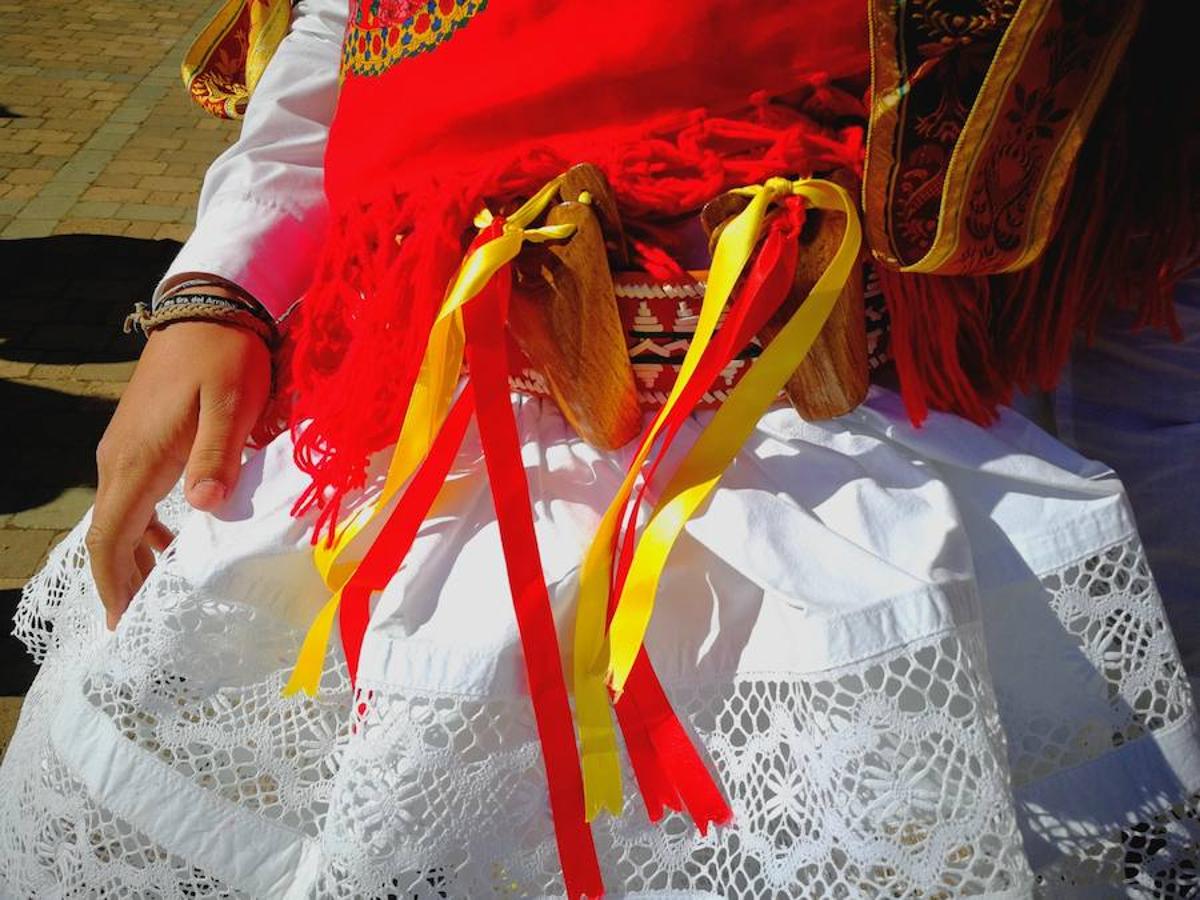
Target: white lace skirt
x=922, y=662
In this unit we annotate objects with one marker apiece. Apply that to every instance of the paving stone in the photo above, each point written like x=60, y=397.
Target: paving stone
x=22, y=551
x=137, y=167
x=140, y=212
x=62, y=513
x=108, y=141
x=173, y=232
x=27, y=176
x=140, y=229
x=29, y=228
x=117, y=180
x=58, y=188
x=10, y=710
x=119, y=371
x=22, y=192
x=44, y=207
x=52, y=372
x=41, y=135
x=114, y=194
x=89, y=226
x=12, y=369
x=55, y=149
x=167, y=182
x=132, y=152
x=16, y=143
x=94, y=209
x=104, y=390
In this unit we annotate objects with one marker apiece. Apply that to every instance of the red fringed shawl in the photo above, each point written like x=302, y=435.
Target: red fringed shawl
x=450, y=105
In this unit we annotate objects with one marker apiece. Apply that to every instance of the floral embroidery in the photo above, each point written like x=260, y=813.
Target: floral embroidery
x=383, y=32
x=979, y=109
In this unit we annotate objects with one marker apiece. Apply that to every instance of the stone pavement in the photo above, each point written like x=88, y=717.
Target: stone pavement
x=101, y=158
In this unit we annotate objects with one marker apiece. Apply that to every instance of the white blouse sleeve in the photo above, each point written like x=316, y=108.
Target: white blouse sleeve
x=262, y=208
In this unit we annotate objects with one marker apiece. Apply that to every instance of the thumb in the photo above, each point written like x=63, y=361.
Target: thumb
x=216, y=454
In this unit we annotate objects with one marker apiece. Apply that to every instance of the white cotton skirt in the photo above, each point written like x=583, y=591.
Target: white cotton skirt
x=921, y=663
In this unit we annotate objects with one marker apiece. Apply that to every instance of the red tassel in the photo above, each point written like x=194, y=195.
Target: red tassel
x=942, y=346
x=356, y=357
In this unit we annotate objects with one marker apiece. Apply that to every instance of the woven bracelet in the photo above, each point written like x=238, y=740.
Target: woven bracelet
x=188, y=307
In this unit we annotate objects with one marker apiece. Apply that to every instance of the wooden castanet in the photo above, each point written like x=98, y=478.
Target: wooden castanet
x=717, y=213
x=587, y=178
x=835, y=375
x=564, y=317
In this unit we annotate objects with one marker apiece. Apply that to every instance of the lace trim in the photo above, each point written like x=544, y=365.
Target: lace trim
x=886, y=778
x=1157, y=859
x=56, y=841
x=1109, y=632
x=882, y=779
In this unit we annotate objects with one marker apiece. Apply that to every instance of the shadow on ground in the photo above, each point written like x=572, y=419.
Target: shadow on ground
x=18, y=668
x=67, y=297
x=64, y=301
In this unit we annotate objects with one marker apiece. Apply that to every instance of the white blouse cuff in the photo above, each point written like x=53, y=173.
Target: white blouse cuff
x=253, y=244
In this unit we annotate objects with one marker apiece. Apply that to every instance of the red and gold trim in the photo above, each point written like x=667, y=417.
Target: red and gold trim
x=977, y=117
x=383, y=32
x=224, y=63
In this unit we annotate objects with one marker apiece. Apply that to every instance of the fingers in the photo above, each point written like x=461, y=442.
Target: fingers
x=131, y=481
x=191, y=402
x=143, y=558
x=123, y=581
x=216, y=454
x=158, y=535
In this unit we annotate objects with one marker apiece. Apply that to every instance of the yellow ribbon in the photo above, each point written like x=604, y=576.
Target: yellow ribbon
x=729, y=429
x=430, y=402
x=598, y=743
x=432, y=395
x=599, y=660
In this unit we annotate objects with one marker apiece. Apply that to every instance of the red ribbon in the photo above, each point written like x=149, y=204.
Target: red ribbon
x=668, y=768
x=396, y=537
x=666, y=764
x=487, y=357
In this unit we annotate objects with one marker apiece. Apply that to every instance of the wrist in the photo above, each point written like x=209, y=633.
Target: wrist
x=213, y=285
x=213, y=304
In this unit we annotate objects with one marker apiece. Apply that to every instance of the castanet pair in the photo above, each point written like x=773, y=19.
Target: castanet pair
x=564, y=314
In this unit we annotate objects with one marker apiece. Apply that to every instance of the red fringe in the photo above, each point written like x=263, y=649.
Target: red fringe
x=941, y=345
x=361, y=337
x=360, y=333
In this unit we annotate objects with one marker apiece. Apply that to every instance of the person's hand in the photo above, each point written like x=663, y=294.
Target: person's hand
x=197, y=391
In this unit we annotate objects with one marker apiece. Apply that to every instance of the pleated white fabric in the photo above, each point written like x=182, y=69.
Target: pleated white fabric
x=921, y=662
